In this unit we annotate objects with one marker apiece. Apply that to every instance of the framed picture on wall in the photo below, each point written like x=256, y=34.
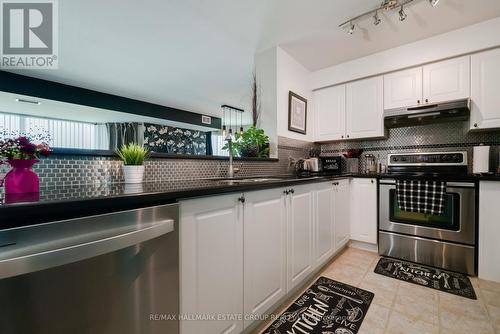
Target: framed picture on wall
x=297, y=113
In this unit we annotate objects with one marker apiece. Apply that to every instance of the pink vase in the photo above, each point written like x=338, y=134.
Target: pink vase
x=21, y=178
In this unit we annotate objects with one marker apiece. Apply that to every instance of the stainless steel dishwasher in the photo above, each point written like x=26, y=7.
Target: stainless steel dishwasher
x=111, y=273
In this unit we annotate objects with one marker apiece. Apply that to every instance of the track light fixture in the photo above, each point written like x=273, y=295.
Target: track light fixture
x=387, y=5
x=376, y=19
x=402, y=14
x=351, y=28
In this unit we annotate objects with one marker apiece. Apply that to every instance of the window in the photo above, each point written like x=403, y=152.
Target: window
x=58, y=133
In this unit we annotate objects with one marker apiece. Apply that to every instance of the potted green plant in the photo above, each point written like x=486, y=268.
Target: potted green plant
x=251, y=143
x=133, y=157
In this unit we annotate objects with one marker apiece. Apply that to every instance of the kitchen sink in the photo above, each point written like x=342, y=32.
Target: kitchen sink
x=248, y=180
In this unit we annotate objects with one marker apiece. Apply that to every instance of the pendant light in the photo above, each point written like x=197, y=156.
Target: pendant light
x=402, y=14
x=224, y=122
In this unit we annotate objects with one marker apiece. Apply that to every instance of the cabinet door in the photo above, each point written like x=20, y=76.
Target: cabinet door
x=323, y=223
x=403, y=88
x=299, y=226
x=364, y=210
x=264, y=250
x=447, y=80
x=485, y=80
x=330, y=113
x=211, y=234
x=365, y=108
x=342, y=214
x=489, y=230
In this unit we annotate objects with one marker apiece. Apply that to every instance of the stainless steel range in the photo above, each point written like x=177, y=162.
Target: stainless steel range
x=447, y=240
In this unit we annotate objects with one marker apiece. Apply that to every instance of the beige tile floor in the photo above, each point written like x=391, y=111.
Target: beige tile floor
x=400, y=307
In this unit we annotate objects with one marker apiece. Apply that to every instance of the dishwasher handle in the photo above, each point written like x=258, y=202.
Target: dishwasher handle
x=81, y=248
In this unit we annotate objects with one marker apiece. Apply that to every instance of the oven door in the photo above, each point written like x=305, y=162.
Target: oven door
x=456, y=224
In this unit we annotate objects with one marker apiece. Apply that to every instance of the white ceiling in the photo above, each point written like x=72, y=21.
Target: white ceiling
x=199, y=54
x=329, y=45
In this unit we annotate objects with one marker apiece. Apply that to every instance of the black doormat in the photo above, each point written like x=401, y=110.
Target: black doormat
x=435, y=278
x=327, y=307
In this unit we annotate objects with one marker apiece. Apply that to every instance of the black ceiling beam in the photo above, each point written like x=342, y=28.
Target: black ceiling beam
x=50, y=90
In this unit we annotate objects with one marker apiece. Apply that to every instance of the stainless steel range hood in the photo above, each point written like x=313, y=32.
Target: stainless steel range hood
x=458, y=110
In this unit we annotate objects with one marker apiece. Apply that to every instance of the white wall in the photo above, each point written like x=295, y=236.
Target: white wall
x=457, y=42
x=277, y=74
x=292, y=76
x=265, y=70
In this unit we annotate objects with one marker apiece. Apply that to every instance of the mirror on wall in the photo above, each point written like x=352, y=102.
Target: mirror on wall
x=69, y=126
x=76, y=120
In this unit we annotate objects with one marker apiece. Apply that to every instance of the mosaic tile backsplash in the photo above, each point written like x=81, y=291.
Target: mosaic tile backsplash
x=453, y=136
x=76, y=170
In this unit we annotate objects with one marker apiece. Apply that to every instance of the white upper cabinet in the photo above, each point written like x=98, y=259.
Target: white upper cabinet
x=365, y=108
x=330, y=113
x=364, y=210
x=438, y=82
x=264, y=251
x=447, y=80
x=485, y=93
x=403, y=88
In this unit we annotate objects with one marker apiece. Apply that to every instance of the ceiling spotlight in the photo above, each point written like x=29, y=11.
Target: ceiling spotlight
x=389, y=4
x=433, y=2
x=402, y=14
x=28, y=101
x=351, y=28
x=376, y=19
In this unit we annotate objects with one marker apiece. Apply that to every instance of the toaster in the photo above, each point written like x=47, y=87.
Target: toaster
x=332, y=165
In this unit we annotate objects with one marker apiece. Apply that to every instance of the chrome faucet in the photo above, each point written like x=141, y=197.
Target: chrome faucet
x=230, y=171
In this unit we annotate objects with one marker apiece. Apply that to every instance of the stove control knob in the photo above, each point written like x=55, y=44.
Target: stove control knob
x=395, y=159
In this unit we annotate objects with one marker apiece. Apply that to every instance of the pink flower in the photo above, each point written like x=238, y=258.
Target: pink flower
x=23, y=141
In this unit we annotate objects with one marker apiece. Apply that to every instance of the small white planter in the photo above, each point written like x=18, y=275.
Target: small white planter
x=133, y=174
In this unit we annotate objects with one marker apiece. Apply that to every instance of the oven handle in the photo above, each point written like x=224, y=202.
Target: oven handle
x=448, y=184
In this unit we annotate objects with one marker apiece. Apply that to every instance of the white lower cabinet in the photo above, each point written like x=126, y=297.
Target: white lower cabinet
x=324, y=226
x=241, y=254
x=264, y=233
x=300, y=227
x=211, y=241
x=489, y=230
x=342, y=213
x=364, y=210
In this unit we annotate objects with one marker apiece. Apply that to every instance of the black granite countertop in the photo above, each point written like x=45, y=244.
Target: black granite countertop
x=66, y=202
